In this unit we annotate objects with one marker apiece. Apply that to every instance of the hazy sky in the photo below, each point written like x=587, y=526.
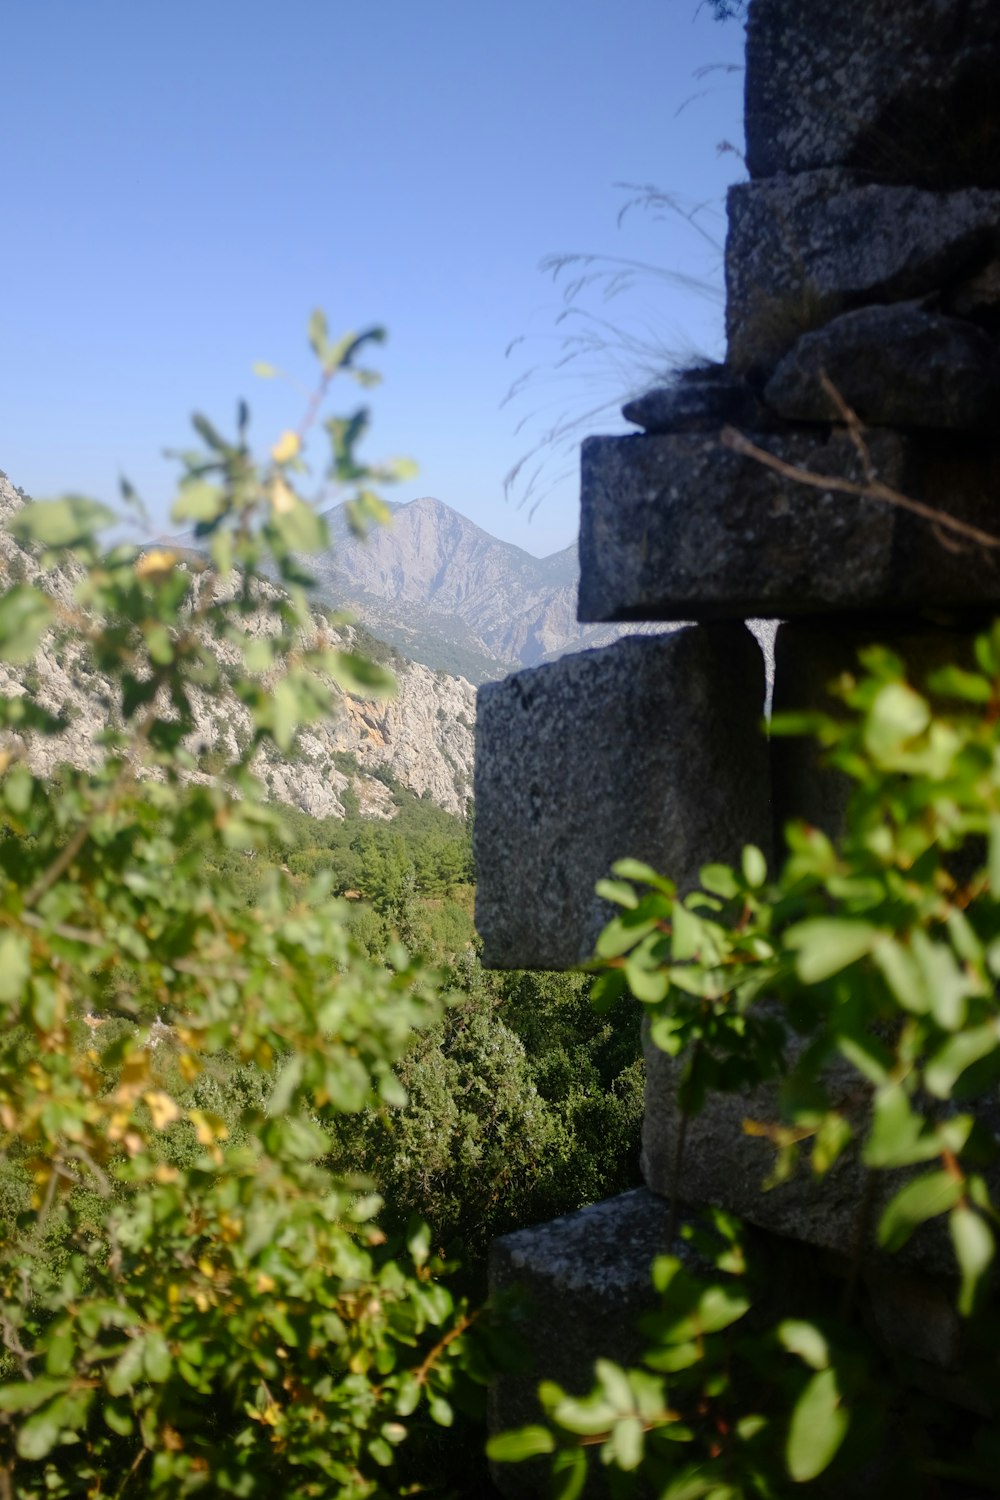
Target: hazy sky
x=184, y=180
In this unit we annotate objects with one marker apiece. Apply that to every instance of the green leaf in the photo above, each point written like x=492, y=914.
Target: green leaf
x=127, y=1369
x=826, y=945
x=319, y=334
x=934, y=1193
x=569, y=1474
x=18, y=786
x=754, y=867
x=648, y=985
x=898, y=1137
x=818, y=1427
x=635, y=869
x=358, y=675
x=831, y=1140
x=25, y=615
x=300, y=527
x=956, y=682
x=525, y=1442
x=626, y=1443
x=15, y=965
x=805, y=1340
x=618, y=891
x=199, y=501
x=975, y=1248
x=903, y=975
x=39, y=1434
x=28, y=1395
x=440, y=1411
x=156, y=1360
x=620, y=935
x=959, y=1052
x=993, y=865
x=898, y=714
x=68, y=522
x=720, y=880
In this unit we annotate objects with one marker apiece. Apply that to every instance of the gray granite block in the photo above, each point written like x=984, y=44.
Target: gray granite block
x=905, y=89
x=651, y=748
x=801, y=250
x=584, y=1281
x=895, y=366
x=725, y=1165
x=680, y=527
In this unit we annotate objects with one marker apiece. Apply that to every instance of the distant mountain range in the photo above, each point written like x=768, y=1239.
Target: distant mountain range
x=446, y=593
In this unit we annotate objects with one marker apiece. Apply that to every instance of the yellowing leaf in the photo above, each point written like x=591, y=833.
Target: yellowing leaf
x=162, y=1108
x=155, y=564
x=283, y=499
x=207, y=1127
x=287, y=447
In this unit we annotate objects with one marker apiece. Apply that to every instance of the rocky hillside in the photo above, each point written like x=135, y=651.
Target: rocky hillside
x=447, y=593
x=423, y=737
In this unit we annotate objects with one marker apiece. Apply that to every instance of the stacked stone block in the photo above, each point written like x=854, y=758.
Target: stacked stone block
x=863, y=276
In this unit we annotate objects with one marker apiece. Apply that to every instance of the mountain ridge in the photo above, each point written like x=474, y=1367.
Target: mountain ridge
x=442, y=589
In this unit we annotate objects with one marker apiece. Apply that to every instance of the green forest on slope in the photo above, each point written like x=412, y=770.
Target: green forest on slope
x=523, y=1103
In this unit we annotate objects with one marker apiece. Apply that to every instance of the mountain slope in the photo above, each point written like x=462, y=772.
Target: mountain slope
x=423, y=736
x=443, y=590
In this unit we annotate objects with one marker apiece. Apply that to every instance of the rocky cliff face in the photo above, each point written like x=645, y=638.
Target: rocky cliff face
x=446, y=592
x=423, y=736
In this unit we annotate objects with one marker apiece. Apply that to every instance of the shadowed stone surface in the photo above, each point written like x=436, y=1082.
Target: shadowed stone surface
x=724, y=1165
x=809, y=657
x=586, y=1279
x=894, y=366
x=650, y=747
x=681, y=527
x=903, y=88
x=700, y=400
x=801, y=250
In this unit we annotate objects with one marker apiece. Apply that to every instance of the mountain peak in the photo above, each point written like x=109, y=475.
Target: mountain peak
x=446, y=592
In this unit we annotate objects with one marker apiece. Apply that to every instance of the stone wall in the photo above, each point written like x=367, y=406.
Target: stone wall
x=863, y=276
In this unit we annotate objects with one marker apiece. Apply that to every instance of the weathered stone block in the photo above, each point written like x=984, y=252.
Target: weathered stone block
x=809, y=657
x=650, y=747
x=722, y=1164
x=680, y=527
x=903, y=89
x=801, y=250
x=586, y=1280
x=895, y=366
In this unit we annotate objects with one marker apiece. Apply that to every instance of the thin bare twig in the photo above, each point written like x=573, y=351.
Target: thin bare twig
x=871, y=488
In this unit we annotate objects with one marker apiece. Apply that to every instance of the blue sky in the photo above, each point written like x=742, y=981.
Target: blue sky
x=185, y=181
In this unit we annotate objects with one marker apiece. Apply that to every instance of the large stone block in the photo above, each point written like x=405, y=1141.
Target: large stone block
x=903, y=89
x=809, y=657
x=895, y=366
x=680, y=527
x=801, y=250
x=724, y=1164
x=650, y=747
x=584, y=1281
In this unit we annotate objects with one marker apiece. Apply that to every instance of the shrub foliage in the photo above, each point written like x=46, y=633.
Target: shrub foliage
x=192, y=1299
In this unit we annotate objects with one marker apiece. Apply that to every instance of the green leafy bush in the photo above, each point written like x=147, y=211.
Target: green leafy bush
x=880, y=952
x=192, y=1301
